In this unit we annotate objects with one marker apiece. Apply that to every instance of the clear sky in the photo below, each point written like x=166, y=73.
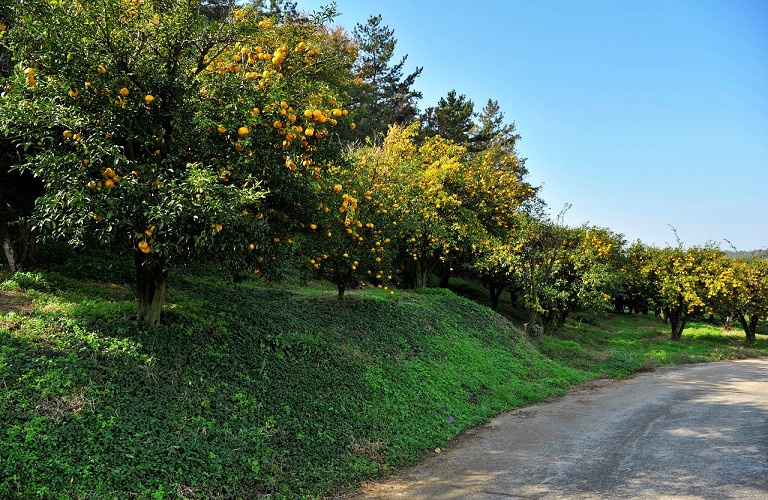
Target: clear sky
x=641, y=115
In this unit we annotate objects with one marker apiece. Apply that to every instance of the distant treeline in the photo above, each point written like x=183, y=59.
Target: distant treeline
x=746, y=254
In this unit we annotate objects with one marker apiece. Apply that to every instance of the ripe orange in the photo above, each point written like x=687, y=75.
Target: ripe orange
x=221, y=129
x=124, y=91
x=149, y=98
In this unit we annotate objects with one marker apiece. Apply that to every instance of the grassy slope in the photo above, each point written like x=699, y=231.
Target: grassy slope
x=246, y=389
x=249, y=390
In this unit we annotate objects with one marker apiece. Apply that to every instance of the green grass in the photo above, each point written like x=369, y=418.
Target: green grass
x=249, y=391
x=625, y=344
x=246, y=390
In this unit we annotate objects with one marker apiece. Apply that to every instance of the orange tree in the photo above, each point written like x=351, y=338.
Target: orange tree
x=563, y=269
x=168, y=133
x=683, y=282
x=495, y=263
x=751, y=305
x=348, y=239
x=492, y=188
x=635, y=288
x=420, y=197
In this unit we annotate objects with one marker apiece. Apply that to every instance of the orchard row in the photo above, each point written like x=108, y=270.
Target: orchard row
x=196, y=131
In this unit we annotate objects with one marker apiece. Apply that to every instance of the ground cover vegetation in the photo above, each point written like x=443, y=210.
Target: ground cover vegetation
x=288, y=154
x=249, y=391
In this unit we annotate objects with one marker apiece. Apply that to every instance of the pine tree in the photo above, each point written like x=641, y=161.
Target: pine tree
x=451, y=118
x=384, y=96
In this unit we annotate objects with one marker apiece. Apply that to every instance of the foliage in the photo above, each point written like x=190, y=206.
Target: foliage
x=167, y=134
x=349, y=239
x=451, y=118
x=427, y=212
x=239, y=395
x=384, y=95
x=751, y=293
x=684, y=280
x=636, y=288
x=562, y=269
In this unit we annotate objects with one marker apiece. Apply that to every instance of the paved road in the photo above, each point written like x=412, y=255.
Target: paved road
x=699, y=431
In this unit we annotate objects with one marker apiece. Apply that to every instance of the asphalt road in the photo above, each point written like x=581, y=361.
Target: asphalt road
x=697, y=431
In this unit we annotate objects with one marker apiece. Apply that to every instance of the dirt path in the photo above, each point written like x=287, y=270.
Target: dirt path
x=698, y=431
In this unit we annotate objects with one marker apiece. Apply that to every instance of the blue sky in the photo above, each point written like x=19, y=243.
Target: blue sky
x=641, y=115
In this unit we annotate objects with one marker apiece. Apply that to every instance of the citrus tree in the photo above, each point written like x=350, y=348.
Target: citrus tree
x=167, y=132
x=495, y=262
x=683, y=281
x=635, y=288
x=563, y=269
x=348, y=239
x=412, y=181
x=751, y=293
x=493, y=189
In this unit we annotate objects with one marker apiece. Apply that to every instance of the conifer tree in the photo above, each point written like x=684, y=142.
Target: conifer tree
x=451, y=118
x=385, y=96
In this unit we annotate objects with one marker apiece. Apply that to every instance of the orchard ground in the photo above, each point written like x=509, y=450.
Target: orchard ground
x=276, y=391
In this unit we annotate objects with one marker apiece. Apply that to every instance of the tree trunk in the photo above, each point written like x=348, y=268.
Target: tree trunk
x=445, y=276
x=677, y=320
x=495, y=292
x=549, y=322
x=151, y=284
x=5, y=239
x=422, y=269
x=749, y=325
x=728, y=322
x=752, y=327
